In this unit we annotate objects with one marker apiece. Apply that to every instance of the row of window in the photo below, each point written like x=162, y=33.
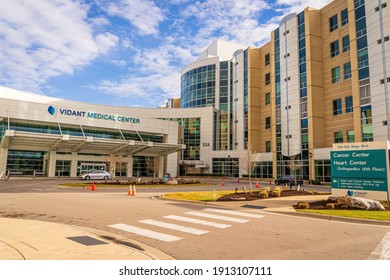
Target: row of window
x=336, y=73
x=339, y=136
x=338, y=106
x=333, y=21
x=335, y=49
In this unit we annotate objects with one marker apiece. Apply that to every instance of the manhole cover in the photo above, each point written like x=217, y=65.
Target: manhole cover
x=87, y=240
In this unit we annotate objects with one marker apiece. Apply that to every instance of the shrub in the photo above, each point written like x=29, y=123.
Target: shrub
x=268, y=189
x=330, y=206
x=263, y=194
x=303, y=205
x=345, y=206
x=276, y=193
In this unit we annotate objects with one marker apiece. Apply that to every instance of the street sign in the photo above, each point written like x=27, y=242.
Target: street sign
x=360, y=169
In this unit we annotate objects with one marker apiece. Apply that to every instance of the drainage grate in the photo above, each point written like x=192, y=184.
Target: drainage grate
x=87, y=240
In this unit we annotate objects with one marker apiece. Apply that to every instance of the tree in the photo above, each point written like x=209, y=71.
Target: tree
x=152, y=164
x=294, y=164
x=248, y=164
x=116, y=162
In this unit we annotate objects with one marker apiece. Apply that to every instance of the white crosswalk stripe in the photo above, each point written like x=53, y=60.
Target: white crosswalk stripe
x=225, y=215
x=382, y=251
x=235, y=213
x=174, y=227
x=146, y=232
x=218, y=217
x=196, y=221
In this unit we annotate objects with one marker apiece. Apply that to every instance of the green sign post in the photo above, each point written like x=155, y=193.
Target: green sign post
x=360, y=170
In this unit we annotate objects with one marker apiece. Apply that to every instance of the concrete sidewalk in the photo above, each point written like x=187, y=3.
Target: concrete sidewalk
x=37, y=240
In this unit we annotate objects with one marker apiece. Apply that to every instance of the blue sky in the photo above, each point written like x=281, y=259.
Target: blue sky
x=123, y=52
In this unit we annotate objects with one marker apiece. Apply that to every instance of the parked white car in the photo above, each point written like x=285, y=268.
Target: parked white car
x=96, y=175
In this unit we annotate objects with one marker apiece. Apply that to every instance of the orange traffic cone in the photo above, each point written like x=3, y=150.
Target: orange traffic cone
x=223, y=183
x=93, y=187
x=129, y=191
x=86, y=187
x=134, y=191
x=257, y=185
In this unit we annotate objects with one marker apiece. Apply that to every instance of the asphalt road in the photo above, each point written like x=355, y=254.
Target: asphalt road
x=259, y=235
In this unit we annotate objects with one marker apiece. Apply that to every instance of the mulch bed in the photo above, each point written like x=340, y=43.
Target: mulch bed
x=255, y=195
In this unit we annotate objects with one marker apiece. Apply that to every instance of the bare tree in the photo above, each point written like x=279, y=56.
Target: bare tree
x=115, y=163
x=152, y=164
x=248, y=165
x=294, y=164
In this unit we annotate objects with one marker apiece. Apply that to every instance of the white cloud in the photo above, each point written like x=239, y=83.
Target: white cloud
x=237, y=21
x=45, y=39
x=297, y=6
x=158, y=78
x=142, y=14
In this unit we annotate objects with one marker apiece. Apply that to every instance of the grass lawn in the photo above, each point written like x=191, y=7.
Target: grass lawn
x=204, y=196
x=358, y=214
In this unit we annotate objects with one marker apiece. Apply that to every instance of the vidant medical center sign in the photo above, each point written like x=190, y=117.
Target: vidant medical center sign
x=361, y=169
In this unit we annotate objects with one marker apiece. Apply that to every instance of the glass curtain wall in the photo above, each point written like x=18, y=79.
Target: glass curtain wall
x=363, y=66
x=228, y=167
x=224, y=106
x=198, y=87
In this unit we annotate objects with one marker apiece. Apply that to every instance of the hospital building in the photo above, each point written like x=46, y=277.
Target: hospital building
x=321, y=79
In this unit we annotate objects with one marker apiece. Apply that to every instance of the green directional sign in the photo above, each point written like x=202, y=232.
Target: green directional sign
x=359, y=169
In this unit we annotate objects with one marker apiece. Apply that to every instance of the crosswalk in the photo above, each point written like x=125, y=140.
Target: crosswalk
x=208, y=217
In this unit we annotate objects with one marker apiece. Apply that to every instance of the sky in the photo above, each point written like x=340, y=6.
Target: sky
x=123, y=52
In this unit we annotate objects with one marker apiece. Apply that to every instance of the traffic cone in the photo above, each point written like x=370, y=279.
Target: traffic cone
x=86, y=187
x=257, y=185
x=134, y=191
x=223, y=183
x=93, y=187
x=129, y=191
x=286, y=187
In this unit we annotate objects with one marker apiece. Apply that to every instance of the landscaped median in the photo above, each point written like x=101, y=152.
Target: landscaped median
x=348, y=207
x=147, y=184
x=229, y=195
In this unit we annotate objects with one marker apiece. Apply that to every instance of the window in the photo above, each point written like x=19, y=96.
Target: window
x=267, y=122
x=267, y=59
x=344, y=17
x=333, y=24
x=267, y=98
x=363, y=58
x=336, y=75
x=334, y=48
x=348, y=104
x=337, y=107
x=267, y=79
x=338, y=137
x=365, y=93
x=346, y=46
x=347, y=71
x=350, y=136
x=267, y=146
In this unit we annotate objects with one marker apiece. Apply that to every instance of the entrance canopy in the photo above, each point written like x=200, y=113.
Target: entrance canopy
x=18, y=140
